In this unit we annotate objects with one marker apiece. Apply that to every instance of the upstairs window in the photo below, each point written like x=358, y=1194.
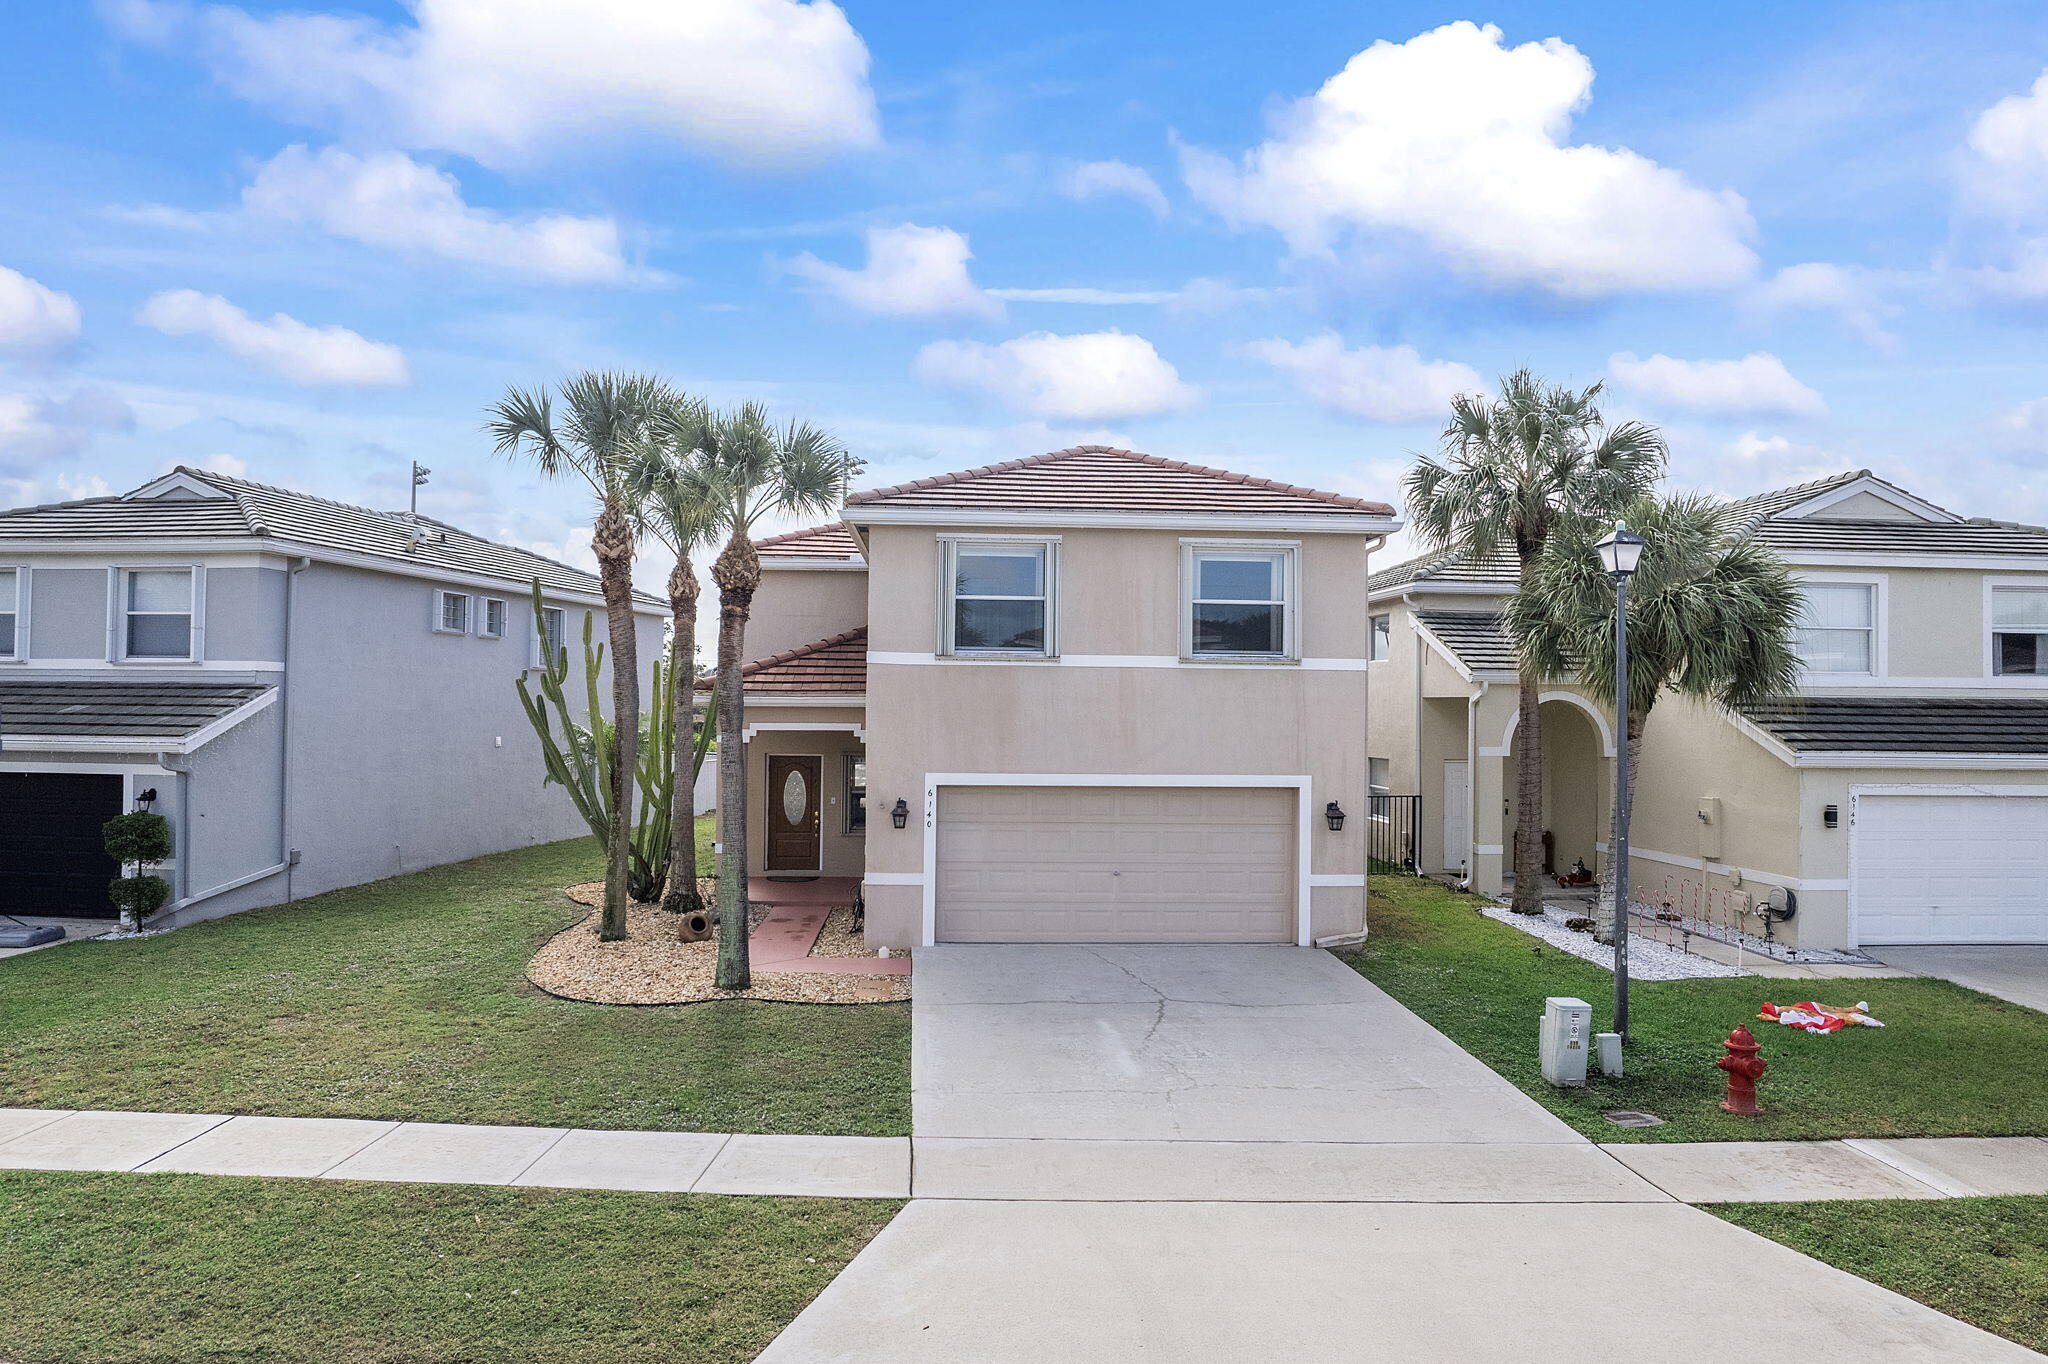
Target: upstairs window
x=494, y=619
x=1382, y=638
x=999, y=597
x=156, y=613
x=1837, y=628
x=452, y=613
x=13, y=638
x=1240, y=602
x=2019, y=631
x=550, y=632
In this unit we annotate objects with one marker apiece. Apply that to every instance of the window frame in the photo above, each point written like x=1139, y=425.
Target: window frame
x=17, y=650
x=1877, y=584
x=1191, y=551
x=949, y=552
x=1379, y=646
x=1991, y=631
x=441, y=596
x=1379, y=795
x=484, y=630
x=540, y=634
x=118, y=576
x=846, y=791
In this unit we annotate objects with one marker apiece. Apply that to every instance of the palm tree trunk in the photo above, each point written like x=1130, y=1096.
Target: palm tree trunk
x=613, y=546
x=682, y=896
x=1529, y=778
x=737, y=573
x=1632, y=753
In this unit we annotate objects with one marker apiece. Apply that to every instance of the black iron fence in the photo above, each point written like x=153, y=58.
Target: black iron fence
x=1392, y=841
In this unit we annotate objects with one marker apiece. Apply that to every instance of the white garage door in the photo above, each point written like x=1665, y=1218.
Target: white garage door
x=1950, y=869
x=1115, y=864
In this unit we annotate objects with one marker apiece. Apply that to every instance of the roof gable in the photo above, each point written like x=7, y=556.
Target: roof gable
x=1102, y=478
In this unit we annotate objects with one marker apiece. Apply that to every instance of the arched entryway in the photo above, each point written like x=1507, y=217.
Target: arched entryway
x=1576, y=746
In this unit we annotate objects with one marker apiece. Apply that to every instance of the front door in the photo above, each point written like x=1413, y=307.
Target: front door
x=793, y=808
x=1457, y=837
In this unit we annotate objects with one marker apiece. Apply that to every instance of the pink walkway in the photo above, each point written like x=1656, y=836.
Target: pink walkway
x=797, y=911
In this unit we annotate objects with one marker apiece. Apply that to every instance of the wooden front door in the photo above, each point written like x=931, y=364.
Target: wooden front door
x=794, y=803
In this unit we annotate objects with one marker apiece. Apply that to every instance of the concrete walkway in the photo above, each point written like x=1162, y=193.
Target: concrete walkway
x=2017, y=973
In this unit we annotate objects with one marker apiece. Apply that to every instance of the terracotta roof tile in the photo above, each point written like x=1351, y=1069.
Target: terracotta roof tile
x=819, y=542
x=830, y=667
x=1104, y=478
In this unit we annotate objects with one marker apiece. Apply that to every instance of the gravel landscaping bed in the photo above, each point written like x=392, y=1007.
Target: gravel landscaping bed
x=839, y=938
x=1646, y=960
x=652, y=967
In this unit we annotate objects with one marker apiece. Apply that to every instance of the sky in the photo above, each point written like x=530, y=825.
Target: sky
x=311, y=245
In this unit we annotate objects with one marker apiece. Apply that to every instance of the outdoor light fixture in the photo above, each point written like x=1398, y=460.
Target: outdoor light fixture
x=146, y=798
x=1622, y=550
x=899, y=813
x=1335, y=814
x=1830, y=816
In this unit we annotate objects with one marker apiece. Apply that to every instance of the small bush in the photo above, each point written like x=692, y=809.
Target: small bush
x=139, y=896
x=137, y=836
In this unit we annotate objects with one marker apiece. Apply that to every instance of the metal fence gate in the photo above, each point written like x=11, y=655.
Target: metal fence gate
x=1392, y=842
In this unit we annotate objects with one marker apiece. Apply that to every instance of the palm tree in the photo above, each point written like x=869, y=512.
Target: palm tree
x=606, y=416
x=676, y=502
x=1509, y=471
x=752, y=469
x=1710, y=615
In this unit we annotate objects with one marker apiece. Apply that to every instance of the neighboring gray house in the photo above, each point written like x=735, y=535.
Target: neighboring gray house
x=318, y=695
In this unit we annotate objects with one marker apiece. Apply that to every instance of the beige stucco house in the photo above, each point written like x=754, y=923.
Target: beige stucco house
x=1902, y=796
x=1092, y=695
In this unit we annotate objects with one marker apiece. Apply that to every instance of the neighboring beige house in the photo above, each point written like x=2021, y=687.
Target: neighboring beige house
x=1902, y=795
x=1109, y=696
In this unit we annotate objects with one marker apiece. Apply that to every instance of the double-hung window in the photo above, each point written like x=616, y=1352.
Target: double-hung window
x=451, y=613
x=2019, y=631
x=1240, y=601
x=550, y=633
x=494, y=619
x=156, y=613
x=1382, y=638
x=1000, y=596
x=1378, y=786
x=13, y=613
x=1837, y=628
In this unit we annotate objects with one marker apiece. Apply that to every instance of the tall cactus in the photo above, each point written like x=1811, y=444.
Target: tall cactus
x=577, y=756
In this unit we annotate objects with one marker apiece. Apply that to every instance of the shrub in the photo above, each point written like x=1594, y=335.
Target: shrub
x=138, y=836
x=138, y=897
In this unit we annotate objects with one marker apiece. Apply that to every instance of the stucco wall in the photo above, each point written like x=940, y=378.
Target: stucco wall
x=842, y=853
x=1120, y=595
x=798, y=606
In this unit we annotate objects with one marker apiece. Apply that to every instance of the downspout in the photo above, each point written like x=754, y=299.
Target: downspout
x=287, y=856
x=1472, y=781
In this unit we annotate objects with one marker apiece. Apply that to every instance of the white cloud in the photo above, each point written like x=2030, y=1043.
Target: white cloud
x=1458, y=141
x=1092, y=376
x=1112, y=180
x=1849, y=292
x=36, y=426
x=390, y=201
x=34, y=318
x=1757, y=383
x=503, y=81
x=2002, y=192
x=912, y=271
x=284, y=345
x=1379, y=383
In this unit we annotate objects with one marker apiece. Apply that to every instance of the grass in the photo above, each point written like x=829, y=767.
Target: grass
x=1984, y=1260
x=1950, y=1062
x=176, y=1269
x=407, y=998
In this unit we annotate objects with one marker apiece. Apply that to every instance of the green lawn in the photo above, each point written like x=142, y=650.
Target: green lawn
x=1982, y=1259
x=407, y=998
x=1950, y=1062
x=175, y=1269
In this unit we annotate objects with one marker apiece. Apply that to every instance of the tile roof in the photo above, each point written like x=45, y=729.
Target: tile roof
x=819, y=542
x=829, y=667
x=1924, y=724
x=153, y=710
x=1104, y=478
x=1784, y=499
x=1478, y=638
x=1904, y=537
x=1445, y=566
x=259, y=511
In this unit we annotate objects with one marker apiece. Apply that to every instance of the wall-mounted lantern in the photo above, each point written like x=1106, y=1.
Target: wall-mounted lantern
x=1831, y=816
x=1335, y=814
x=899, y=813
x=146, y=798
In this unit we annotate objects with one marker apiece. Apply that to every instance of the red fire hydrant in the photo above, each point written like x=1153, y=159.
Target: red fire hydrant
x=1744, y=1069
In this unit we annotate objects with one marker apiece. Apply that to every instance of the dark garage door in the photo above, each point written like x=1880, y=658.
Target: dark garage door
x=52, y=859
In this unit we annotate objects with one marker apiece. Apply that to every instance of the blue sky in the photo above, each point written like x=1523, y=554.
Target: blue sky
x=313, y=244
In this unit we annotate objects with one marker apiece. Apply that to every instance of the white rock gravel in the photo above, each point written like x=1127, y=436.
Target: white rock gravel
x=1646, y=960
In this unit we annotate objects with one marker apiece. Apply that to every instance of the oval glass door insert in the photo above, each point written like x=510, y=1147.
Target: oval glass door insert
x=794, y=796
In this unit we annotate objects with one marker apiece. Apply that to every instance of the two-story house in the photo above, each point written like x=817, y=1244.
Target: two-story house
x=1089, y=696
x=1900, y=795
x=315, y=695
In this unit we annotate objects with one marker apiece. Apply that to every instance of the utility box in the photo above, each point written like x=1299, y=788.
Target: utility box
x=1567, y=1035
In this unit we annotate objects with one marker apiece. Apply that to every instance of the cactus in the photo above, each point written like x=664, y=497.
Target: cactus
x=577, y=756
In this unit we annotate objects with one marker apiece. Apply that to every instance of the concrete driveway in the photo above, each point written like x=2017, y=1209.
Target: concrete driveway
x=2019, y=973
x=1255, y=1043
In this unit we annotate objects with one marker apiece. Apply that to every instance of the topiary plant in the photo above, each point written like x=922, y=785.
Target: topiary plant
x=138, y=897
x=138, y=836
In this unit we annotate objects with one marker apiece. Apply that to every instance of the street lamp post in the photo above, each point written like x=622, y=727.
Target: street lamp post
x=1621, y=551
